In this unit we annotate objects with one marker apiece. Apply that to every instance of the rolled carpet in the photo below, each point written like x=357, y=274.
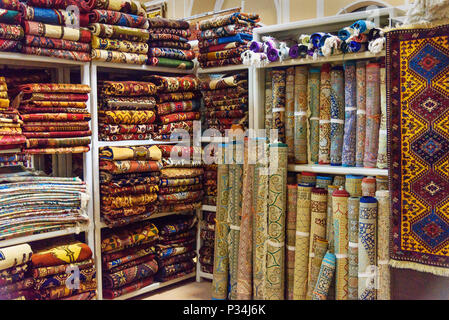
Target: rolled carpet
x=56, y=53
x=119, y=32
x=51, y=43
x=119, y=45
x=172, y=53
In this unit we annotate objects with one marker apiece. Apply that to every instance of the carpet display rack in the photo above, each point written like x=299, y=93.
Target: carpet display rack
x=385, y=17
x=60, y=70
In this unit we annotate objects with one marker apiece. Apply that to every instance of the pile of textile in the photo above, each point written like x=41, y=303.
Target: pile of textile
x=11, y=136
x=175, y=248
x=11, y=32
x=33, y=203
x=180, y=108
x=330, y=115
x=129, y=178
x=181, y=187
x=210, y=184
x=207, y=235
x=119, y=31
x=226, y=101
x=55, y=276
x=168, y=42
x=53, y=30
x=128, y=258
x=15, y=281
x=126, y=110
x=14, y=79
x=55, y=116
x=360, y=36
x=224, y=38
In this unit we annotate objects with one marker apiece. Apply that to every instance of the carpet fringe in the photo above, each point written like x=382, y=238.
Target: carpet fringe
x=438, y=271
x=423, y=25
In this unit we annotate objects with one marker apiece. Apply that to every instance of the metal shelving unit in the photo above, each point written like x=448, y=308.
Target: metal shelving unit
x=61, y=163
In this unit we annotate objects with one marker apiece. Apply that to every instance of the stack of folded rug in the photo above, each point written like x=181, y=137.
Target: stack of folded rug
x=15, y=283
x=54, y=270
x=11, y=137
x=168, y=43
x=119, y=31
x=11, y=33
x=55, y=116
x=181, y=187
x=207, y=235
x=53, y=30
x=32, y=203
x=126, y=110
x=175, y=249
x=176, y=114
x=14, y=79
x=226, y=101
x=223, y=39
x=129, y=185
x=128, y=257
x=210, y=184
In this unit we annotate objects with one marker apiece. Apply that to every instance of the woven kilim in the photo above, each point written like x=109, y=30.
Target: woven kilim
x=418, y=106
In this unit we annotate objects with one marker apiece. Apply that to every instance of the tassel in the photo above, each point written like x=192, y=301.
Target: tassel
x=377, y=45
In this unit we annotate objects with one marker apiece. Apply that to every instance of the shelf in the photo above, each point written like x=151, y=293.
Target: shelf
x=42, y=236
x=103, y=225
x=20, y=59
x=224, y=69
x=130, y=143
x=155, y=286
x=337, y=169
x=123, y=66
x=206, y=275
x=332, y=58
x=327, y=24
x=206, y=207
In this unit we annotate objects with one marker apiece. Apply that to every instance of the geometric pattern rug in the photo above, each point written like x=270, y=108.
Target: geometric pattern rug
x=417, y=65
